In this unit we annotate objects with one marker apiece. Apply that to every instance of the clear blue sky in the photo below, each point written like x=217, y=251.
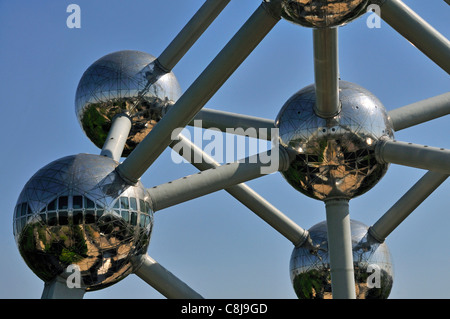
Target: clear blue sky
x=214, y=243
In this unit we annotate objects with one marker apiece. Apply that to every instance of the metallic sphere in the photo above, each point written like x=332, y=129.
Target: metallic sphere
x=128, y=82
x=310, y=268
x=322, y=13
x=334, y=158
x=78, y=211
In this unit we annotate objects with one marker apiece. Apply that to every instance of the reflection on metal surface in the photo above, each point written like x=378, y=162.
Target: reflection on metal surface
x=77, y=211
x=128, y=82
x=322, y=13
x=335, y=157
x=310, y=268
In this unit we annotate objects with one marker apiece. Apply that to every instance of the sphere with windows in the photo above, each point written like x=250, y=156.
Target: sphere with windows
x=78, y=211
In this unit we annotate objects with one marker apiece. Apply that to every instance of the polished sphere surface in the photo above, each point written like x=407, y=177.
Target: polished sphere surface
x=128, y=82
x=335, y=157
x=310, y=268
x=322, y=13
x=78, y=211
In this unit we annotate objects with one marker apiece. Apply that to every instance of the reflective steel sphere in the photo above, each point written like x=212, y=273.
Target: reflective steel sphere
x=124, y=82
x=334, y=157
x=310, y=268
x=78, y=211
x=322, y=13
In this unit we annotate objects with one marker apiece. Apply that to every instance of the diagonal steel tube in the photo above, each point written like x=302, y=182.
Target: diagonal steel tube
x=243, y=193
x=58, y=289
x=326, y=72
x=420, y=112
x=208, y=12
x=218, y=178
x=203, y=88
x=406, y=205
x=228, y=122
x=191, y=32
x=117, y=137
x=414, y=155
x=161, y=279
x=416, y=30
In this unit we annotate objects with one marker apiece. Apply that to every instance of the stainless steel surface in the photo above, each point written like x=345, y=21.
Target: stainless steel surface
x=334, y=158
x=124, y=82
x=322, y=13
x=77, y=211
x=326, y=72
x=198, y=94
x=310, y=268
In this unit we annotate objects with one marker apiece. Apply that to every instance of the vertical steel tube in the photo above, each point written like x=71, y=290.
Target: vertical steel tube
x=406, y=205
x=199, y=93
x=416, y=30
x=117, y=137
x=340, y=249
x=326, y=72
x=191, y=33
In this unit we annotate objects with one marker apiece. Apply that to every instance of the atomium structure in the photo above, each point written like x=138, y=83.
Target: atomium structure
x=332, y=141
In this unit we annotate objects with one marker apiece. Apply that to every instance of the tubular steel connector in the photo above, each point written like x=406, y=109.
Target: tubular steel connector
x=190, y=33
x=286, y=158
x=340, y=249
x=326, y=72
x=273, y=7
x=420, y=112
x=413, y=155
x=129, y=181
x=198, y=94
x=161, y=279
x=234, y=123
x=379, y=149
x=247, y=196
x=117, y=136
x=216, y=178
x=161, y=67
x=306, y=242
x=417, y=31
x=418, y=193
x=372, y=232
